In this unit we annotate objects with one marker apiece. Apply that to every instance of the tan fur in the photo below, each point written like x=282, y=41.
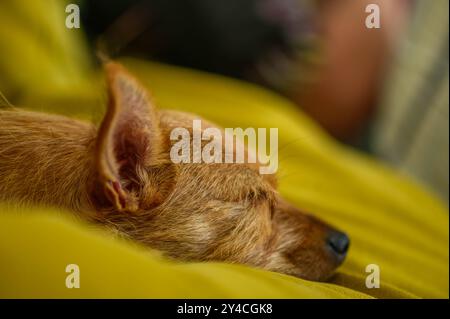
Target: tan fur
x=120, y=175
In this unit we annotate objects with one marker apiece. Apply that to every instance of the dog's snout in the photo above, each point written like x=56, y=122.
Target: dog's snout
x=339, y=243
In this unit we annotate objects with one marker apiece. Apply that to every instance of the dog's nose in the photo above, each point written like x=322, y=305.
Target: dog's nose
x=339, y=243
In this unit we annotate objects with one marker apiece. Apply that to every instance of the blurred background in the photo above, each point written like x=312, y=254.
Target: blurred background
x=382, y=90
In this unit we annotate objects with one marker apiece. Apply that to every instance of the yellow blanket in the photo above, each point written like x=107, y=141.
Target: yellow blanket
x=392, y=222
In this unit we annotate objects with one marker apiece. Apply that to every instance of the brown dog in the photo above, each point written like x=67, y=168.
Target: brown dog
x=120, y=175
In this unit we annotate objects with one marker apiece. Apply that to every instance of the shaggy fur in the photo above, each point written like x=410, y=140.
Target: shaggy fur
x=120, y=175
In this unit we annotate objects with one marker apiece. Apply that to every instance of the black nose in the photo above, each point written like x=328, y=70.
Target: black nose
x=338, y=242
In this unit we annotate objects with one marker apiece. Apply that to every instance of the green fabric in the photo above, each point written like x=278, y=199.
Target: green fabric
x=392, y=222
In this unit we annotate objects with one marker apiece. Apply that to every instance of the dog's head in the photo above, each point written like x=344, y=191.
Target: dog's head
x=197, y=212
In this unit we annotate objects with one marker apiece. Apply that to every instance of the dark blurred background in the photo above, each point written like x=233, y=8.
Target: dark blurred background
x=229, y=37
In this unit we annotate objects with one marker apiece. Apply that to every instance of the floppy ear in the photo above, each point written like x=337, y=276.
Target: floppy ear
x=129, y=136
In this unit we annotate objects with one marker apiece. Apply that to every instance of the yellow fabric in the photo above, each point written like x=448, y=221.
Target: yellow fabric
x=392, y=222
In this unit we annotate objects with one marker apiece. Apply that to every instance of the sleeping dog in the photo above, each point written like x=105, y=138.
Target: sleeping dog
x=120, y=175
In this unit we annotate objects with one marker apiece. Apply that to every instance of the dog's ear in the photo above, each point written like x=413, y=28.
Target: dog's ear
x=129, y=136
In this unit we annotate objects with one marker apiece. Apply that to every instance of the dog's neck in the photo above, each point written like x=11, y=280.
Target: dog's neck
x=45, y=159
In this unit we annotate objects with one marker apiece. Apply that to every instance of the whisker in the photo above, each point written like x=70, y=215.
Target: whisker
x=5, y=101
x=290, y=143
